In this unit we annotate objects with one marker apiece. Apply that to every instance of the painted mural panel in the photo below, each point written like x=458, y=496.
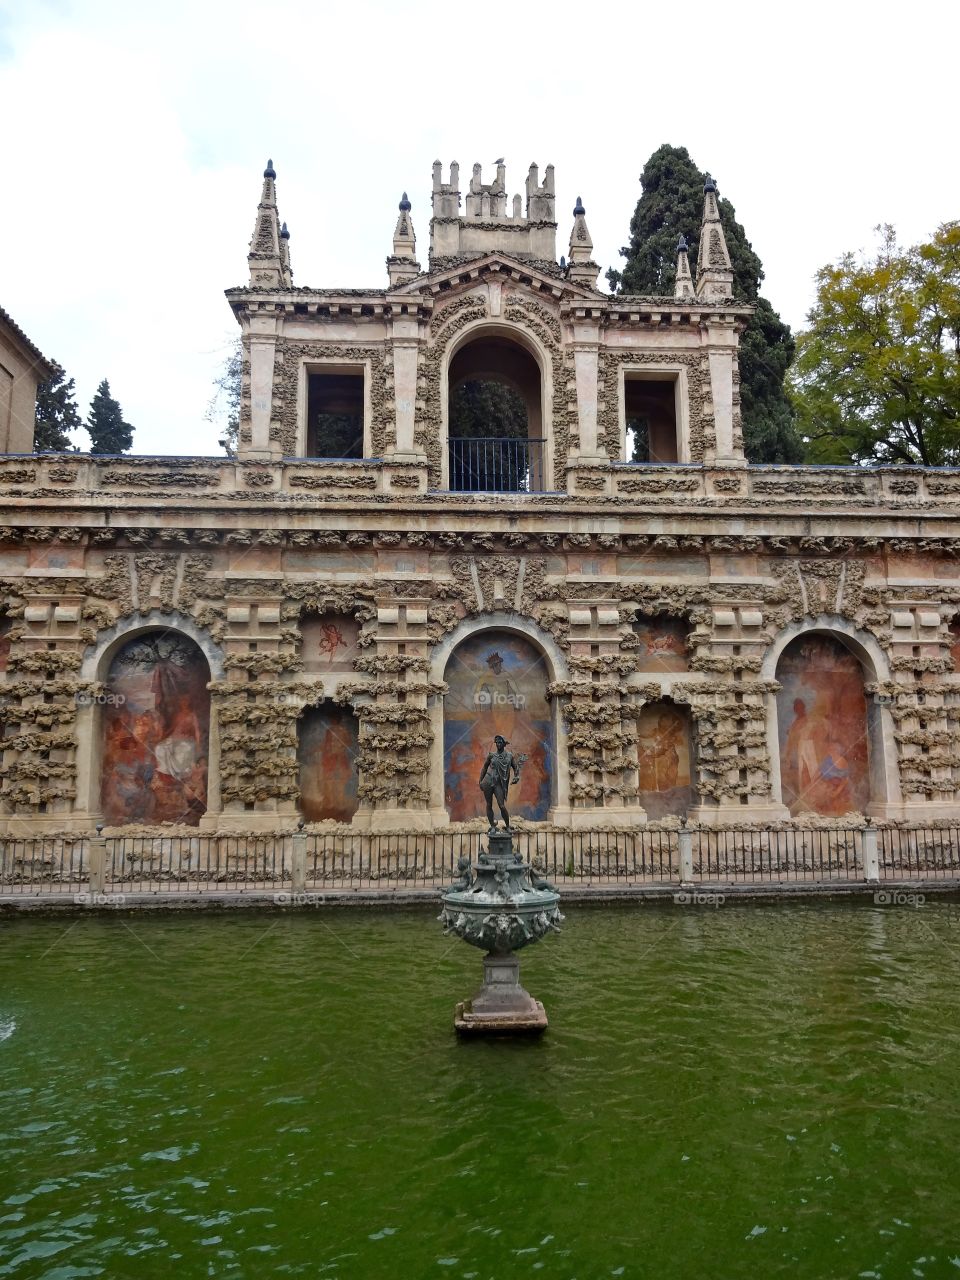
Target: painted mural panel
x=665, y=760
x=822, y=714
x=327, y=756
x=497, y=684
x=5, y=626
x=955, y=643
x=329, y=642
x=156, y=727
x=662, y=643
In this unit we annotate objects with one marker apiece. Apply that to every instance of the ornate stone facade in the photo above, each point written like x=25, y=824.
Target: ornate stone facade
x=314, y=586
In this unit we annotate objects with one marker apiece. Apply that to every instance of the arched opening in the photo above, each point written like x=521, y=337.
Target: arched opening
x=327, y=744
x=665, y=760
x=497, y=684
x=495, y=418
x=156, y=731
x=830, y=754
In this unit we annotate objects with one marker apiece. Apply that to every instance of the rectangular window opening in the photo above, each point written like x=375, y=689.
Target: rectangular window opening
x=650, y=406
x=335, y=415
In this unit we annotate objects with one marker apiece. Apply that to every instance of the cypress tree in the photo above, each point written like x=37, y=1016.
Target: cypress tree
x=671, y=205
x=56, y=414
x=105, y=425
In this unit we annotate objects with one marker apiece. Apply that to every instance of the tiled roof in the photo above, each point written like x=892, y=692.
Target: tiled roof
x=8, y=322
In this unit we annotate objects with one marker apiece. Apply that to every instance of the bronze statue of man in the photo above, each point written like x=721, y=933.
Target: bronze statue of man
x=495, y=779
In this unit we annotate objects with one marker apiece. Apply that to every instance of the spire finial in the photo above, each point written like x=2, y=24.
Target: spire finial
x=710, y=184
x=578, y=209
x=284, y=233
x=405, y=205
x=269, y=171
x=682, y=246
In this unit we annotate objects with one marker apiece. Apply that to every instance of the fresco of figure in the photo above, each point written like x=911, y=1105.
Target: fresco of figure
x=156, y=723
x=495, y=780
x=497, y=684
x=824, y=734
x=664, y=760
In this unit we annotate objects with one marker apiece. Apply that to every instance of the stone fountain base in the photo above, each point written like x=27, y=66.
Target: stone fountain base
x=501, y=1006
x=502, y=906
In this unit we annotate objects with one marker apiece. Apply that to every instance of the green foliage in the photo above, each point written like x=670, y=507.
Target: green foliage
x=877, y=374
x=487, y=413
x=487, y=409
x=337, y=435
x=105, y=425
x=223, y=409
x=671, y=205
x=57, y=414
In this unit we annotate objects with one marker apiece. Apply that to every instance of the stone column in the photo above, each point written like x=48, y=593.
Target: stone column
x=263, y=347
x=586, y=363
x=721, y=340
x=406, y=346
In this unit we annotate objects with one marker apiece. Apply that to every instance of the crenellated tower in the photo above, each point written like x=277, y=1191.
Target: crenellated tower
x=486, y=226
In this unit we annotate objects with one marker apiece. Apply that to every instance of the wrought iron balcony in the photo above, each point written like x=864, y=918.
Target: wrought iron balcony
x=496, y=464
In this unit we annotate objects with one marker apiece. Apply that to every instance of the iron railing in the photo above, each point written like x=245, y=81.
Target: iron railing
x=320, y=861
x=496, y=464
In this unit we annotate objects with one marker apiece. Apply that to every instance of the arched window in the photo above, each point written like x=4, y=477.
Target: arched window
x=497, y=684
x=826, y=727
x=156, y=730
x=495, y=418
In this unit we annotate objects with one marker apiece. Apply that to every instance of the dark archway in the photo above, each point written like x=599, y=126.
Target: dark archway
x=495, y=417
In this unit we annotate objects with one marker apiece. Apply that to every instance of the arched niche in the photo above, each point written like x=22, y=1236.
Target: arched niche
x=503, y=355
x=327, y=745
x=666, y=769
x=831, y=743
x=497, y=680
x=155, y=730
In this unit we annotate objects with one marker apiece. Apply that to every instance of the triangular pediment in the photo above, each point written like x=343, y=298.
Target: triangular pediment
x=468, y=273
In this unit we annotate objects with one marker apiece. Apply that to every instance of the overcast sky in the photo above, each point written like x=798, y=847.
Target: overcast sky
x=136, y=135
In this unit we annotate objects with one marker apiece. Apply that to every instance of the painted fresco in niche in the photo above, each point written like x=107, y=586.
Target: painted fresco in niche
x=661, y=643
x=822, y=714
x=329, y=641
x=497, y=683
x=5, y=626
x=156, y=727
x=955, y=643
x=665, y=760
x=327, y=759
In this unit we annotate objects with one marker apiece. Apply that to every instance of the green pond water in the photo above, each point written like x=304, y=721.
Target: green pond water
x=750, y=1091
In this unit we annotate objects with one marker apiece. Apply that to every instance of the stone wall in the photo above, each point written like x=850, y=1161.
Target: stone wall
x=743, y=560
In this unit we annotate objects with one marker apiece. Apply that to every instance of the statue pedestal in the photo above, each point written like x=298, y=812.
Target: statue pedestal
x=500, y=906
x=501, y=1006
